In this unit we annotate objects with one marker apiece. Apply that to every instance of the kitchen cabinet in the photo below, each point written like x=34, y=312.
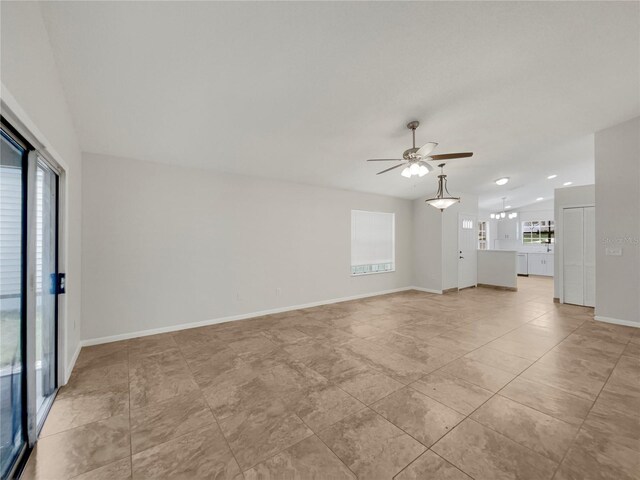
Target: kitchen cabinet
x=540, y=264
x=508, y=229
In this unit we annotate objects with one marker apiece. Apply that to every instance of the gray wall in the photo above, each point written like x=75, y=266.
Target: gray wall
x=617, y=155
x=165, y=246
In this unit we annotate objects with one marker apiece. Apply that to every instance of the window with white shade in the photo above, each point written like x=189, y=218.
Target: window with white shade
x=372, y=242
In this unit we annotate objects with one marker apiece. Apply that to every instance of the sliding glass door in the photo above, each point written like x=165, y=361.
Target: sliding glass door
x=29, y=288
x=46, y=208
x=12, y=301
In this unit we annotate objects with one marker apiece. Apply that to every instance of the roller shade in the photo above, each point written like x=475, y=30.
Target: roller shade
x=372, y=240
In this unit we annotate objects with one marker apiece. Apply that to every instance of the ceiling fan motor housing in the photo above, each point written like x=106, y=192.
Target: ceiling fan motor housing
x=410, y=154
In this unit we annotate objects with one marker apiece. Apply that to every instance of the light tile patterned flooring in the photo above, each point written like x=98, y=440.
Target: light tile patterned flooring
x=480, y=384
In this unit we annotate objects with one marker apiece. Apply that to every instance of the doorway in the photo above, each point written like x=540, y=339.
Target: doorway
x=467, y=251
x=578, y=256
x=29, y=288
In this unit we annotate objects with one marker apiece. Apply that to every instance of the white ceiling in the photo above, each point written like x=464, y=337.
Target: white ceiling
x=307, y=91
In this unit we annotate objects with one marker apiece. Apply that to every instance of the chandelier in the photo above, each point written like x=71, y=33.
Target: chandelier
x=503, y=214
x=440, y=200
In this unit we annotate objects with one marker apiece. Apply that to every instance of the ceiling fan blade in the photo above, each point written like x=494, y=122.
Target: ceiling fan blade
x=448, y=156
x=385, y=160
x=396, y=166
x=426, y=149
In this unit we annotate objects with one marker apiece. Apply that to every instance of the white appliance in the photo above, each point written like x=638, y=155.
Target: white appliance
x=523, y=267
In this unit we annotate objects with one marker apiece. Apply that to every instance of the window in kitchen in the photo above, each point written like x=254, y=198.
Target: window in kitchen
x=538, y=232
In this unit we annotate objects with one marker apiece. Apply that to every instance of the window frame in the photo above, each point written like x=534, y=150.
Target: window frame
x=393, y=248
x=483, y=233
x=546, y=234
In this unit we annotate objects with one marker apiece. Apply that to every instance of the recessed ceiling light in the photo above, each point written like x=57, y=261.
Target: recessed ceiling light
x=567, y=183
x=508, y=206
x=539, y=198
x=502, y=181
x=550, y=177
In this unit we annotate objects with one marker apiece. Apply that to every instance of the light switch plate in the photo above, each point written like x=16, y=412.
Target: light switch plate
x=613, y=252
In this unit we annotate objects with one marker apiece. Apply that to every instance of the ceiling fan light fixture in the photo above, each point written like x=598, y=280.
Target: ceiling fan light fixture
x=424, y=168
x=414, y=169
x=406, y=172
x=492, y=216
x=502, y=181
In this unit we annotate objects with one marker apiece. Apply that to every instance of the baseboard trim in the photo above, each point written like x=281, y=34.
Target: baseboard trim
x=498, y=287
x=427, y=290
x=232, y=318
x=556, y=300
x=616, y=321
x=72, y=363
x=450, y=290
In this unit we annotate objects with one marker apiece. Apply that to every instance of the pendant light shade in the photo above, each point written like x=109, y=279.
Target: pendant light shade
x=443, y=198
x=442, y=203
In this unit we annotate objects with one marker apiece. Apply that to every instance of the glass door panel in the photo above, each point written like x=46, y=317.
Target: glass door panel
x=45, y=288
x=12, y=325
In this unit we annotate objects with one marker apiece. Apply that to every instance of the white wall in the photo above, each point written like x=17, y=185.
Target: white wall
x=498, y=268
x=617, y=195
x=450, y=253
x=568, y=197
x=427, y=246
x=436, y=242
x=165, y=246
x=536, y=211
x=32, y=91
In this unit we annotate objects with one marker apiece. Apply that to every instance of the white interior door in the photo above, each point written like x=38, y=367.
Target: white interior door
x=467, y=251
x=573, y=255
x=590, y=256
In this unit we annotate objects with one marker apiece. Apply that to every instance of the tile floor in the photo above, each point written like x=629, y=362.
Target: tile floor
x=481, y=384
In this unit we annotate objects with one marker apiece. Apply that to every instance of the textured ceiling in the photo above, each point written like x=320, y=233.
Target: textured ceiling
x=307, y=91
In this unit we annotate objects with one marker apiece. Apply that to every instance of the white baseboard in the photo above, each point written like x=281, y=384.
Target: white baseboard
x=616, y=321
x=427, y=290
x=244, y=316
x=72, y=363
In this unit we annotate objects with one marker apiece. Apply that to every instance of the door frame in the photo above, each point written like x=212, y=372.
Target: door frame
x=474, y=220
x=559, y=248
x=19, y=125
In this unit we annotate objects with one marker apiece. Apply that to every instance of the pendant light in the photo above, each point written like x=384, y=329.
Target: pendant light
x=440, y=200
x=503, y=213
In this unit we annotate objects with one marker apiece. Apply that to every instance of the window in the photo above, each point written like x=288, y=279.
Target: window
x=372, y=242
x=538, y=231
x=482, y=235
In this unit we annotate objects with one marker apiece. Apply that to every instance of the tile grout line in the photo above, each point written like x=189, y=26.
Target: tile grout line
x=494, y=393
x=215, y=419
x=331, y=382
x=588, y=413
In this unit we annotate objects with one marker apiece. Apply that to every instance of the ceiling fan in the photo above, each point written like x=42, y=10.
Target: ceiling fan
x=415, y=159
